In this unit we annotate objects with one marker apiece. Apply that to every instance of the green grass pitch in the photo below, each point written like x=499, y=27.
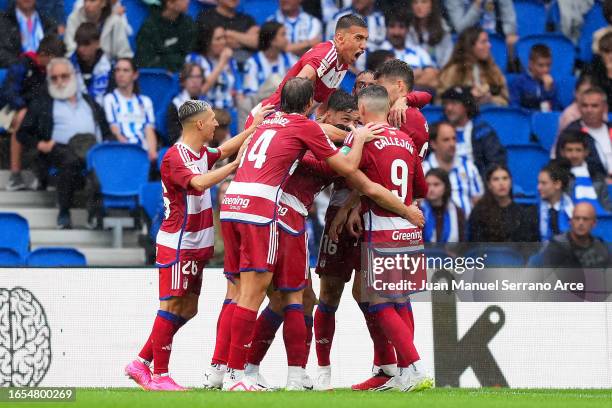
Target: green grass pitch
x=343, y=398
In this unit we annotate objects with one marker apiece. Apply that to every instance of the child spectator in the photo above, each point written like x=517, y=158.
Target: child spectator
x=428, y=30
x=536, y=89
x=304, y=31
x=92, y=66
x=130, y=114
x=587, y=184
x=556, y=206
x=191, y=79
x=166, y=36
x=271, y=58
x=222, y=78
x=444, y=221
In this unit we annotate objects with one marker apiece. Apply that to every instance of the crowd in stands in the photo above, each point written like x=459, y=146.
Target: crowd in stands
x=73, y=81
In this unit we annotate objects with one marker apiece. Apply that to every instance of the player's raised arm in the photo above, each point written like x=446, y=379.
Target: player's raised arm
x=231, y=146
x=213, y=177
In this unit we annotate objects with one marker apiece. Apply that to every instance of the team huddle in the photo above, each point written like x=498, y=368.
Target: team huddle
x=282, y=161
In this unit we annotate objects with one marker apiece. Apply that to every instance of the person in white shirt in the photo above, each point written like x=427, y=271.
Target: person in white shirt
x=271, y=58
x=425, y=71
x=303, y=30
x=467, y=187
x=130, y=114
x=374, y=19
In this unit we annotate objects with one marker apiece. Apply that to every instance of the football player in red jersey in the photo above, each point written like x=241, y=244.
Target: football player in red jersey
x=186, y=237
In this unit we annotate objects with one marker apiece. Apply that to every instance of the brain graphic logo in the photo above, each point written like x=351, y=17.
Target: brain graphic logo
x=25, y=339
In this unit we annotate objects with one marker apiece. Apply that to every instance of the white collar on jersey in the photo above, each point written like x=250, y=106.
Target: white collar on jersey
x=196, y=154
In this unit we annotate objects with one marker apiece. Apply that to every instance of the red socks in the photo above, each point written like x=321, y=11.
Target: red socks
x=294, y=334
x=397, y=331
x=266, y=326
x=243, y=323
x=308, y=321
x=165, y=326
x=147, y=350
x=224, y=330
x=384, y=353
x=405, y=312
x=324, y=328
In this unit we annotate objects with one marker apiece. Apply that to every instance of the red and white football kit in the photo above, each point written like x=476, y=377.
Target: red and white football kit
x=415, y=124
x=185, y=241
x=249, y=211
x=310, y=177
x=323, y=57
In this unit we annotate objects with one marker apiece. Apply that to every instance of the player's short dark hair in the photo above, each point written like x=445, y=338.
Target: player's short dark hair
x=296, y=95
x=191, y=108
x=396, y=69
x=267, y=32
x=342, y=101
x=539, y=51
x=376, y=58
x=51, y=45
x=377, y=94
x=573, y=136
x=350, y=20
x=86, y=34
x=435, y=129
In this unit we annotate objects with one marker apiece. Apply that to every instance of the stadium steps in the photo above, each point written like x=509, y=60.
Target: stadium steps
x=117, y=257
x=82, y=238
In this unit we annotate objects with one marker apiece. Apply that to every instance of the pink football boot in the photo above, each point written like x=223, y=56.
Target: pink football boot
x=164, y=383
x=139, y=372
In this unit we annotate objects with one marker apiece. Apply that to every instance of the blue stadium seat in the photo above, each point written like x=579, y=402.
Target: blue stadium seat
x=593, y=21
x=566, y=87
x=151, y=201
x=195, y=7
x=498, y=257
x=510, y=78
x=545, y=125
x=121, y=170
x=499, y=51
x=530, y=17
x=161, y=87
x=513, y=125
x=260, y=10
x=2, y=74
x=160, y=156
x=56, y=257
x=15, y=233
x=3, y=5
x=136, y=12
x=9, y=258
x=68, y=6
x=603, y=228
x=433, y=113
x=562, y=49
x=525, y=163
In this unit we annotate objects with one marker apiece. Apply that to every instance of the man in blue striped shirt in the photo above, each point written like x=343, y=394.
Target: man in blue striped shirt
x=303, y=30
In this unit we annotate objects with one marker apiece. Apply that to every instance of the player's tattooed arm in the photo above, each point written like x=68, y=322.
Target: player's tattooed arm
x=213, y=177
x=230, y=147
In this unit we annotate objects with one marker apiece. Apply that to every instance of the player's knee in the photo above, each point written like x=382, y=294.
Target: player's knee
x=331, y=291
x=292, y=298
x=308, y=299
x=276, y=303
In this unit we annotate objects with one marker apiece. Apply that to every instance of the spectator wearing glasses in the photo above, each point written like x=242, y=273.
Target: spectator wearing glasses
x=304, y=31
x=51, y=125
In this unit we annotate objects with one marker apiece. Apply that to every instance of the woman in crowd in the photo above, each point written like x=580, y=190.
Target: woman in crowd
x=444, y=221
x=130, y=114
x=222, y=79
x=471, y=64
x=428, y=29
x=601, y=68
x=496, y=217
x=113, y=28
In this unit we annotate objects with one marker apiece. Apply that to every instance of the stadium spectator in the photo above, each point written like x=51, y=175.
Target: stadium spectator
x=25, y=80
x=476, y=139
x=303, y=30
x=556, y=206
x=444, y=221
x=601, y=67
x=425, y=71
x=496, y=217
x=93, y=67
x=51, y=126
x=571, y=15
x=376, y=58
x=494, y=16
x=536, y=89
x=578, y=248
x=130, y=115
x=166, y=36
x=572, y=112
x=113, y=31
x=191, y=79
x=363, y=80
x=471, y=64
x=428, y=30
x=53, y=9
x=592, y=107
x=464, y=178
x=586, y=184
x=374, y=19
x=22, y=30
x=222, y=77
x=597, y=35
x=241, y=29
x=272, y=57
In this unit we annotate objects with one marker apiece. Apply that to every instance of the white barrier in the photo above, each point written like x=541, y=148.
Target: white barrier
x=97, y=320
